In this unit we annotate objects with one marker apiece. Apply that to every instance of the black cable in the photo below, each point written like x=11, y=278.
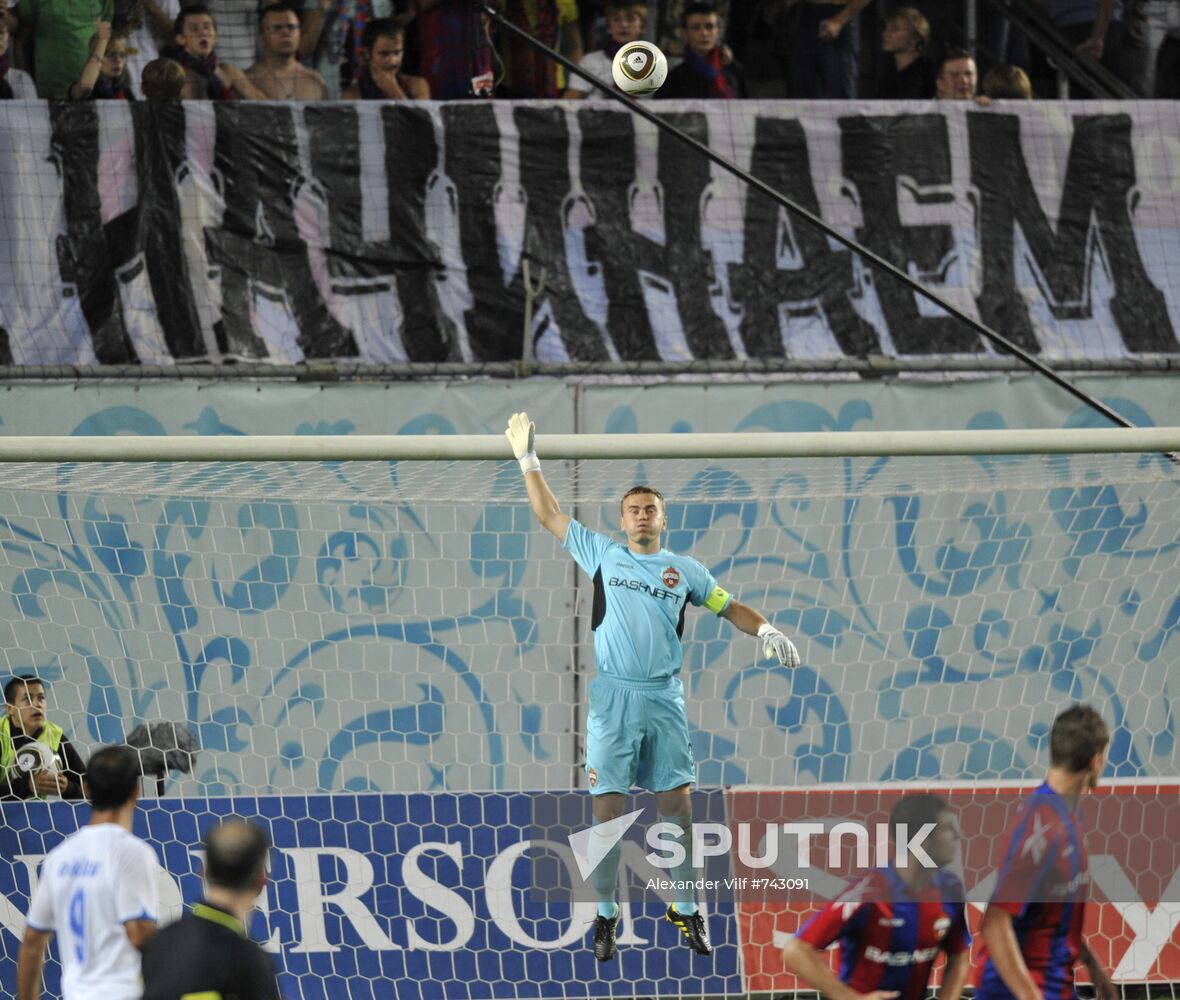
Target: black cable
x=798, y=210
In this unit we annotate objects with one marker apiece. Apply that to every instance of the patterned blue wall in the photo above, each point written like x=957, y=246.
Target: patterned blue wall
x=393, y=642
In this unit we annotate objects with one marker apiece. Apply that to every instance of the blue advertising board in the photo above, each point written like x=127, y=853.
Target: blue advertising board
x=425, y=896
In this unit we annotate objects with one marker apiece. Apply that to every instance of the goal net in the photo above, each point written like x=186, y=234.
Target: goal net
x=385, y=662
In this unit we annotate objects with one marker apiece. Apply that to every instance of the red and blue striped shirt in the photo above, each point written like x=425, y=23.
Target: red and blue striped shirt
x=889, y=938
x=1043, y=882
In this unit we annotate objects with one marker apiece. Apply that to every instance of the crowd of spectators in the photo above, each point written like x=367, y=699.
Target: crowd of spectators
x=448, y=49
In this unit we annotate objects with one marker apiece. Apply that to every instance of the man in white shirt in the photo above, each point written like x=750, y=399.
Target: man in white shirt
x=97, y=893
x=150, y=36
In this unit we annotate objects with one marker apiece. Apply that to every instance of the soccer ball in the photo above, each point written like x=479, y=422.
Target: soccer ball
x=639, y=68
x=33, y=757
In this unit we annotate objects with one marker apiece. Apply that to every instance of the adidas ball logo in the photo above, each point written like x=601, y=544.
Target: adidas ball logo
x=637, y=63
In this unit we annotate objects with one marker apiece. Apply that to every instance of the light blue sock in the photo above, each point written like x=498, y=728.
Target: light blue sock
x=605, y=879
x=683, y=872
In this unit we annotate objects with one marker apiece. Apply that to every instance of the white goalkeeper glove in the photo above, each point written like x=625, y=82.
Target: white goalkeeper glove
x=774, y=643
x=521, y=435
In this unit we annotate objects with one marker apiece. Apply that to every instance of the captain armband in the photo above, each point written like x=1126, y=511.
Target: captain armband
x=717, y=600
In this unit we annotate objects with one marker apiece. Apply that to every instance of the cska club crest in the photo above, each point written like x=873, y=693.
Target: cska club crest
x=671, y=577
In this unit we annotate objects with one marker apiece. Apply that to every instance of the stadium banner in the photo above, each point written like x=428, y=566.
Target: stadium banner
x=1132, y=921
x=463, y=896
x=416, y=896
x=571, y=231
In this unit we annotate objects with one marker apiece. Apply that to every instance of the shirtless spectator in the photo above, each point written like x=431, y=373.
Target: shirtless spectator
x=279, y=74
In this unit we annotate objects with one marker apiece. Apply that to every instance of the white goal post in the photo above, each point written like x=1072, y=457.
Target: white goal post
x=477, y=447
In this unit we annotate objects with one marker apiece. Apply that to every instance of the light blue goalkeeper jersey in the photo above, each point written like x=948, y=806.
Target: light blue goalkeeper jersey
x=639, y=603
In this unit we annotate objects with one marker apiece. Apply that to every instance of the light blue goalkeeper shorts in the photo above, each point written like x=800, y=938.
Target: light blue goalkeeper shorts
x=637, y=734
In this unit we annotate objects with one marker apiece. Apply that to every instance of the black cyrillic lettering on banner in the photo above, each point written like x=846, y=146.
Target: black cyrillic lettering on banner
x=691, y=267
x=635, y=266
x=160, y=144
x=496, y=319
x=257, y=246
x=411, y=155
x=822, y=283
x=623, y=257
x=878, y=155
x=334, y=148
x=89, y=252
x=365, y=271
x=552, y=209
x=1094, y=213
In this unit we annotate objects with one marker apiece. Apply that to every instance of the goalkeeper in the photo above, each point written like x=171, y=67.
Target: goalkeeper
x=637, y=729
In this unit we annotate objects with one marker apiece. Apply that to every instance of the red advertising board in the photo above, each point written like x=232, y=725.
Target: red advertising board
x=1132, y=831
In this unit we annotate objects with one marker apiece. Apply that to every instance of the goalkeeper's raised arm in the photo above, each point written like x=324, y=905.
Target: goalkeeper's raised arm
x=521, y=435
x=643, y=520
x=637, y=730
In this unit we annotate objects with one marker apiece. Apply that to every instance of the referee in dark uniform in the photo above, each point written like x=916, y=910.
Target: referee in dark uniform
x=206, y=952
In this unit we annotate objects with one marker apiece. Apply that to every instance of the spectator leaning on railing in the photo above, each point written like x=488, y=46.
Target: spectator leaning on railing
x=958, y=77
x=278, y=73
x=37, y=759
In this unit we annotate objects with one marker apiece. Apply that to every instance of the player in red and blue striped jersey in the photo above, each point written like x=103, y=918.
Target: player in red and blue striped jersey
x=1032, y=930
x=894, y=923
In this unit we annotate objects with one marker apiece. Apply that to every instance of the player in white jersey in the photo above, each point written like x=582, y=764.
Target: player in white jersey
x=97, y=893
x=637, y=730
